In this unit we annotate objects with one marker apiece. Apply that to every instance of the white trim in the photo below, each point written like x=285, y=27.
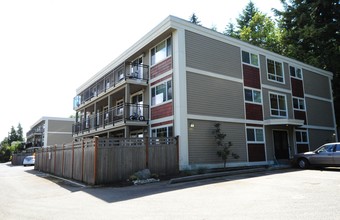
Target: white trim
x=214, y=75
x=318, y=98
x=250, y=53
x=160, y=77
x=59, y=132
x=333, y=110
x=45, y=118
x=215, y=118
x=299, y=99
x=284, y=121
x=161, y=120
x=316, y=127
x=264, y=86
x=179, y=86
x=295, y=67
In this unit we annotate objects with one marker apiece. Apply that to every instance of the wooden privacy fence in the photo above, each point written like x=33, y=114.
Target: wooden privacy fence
x=109, y=160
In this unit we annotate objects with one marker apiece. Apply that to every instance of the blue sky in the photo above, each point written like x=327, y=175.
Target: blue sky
x=50, y=47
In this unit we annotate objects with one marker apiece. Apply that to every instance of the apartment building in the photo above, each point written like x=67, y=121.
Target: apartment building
x=181, y=79
x=48, y=131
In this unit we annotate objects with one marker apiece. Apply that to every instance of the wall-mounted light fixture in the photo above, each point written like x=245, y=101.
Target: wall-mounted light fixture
x=192, y=125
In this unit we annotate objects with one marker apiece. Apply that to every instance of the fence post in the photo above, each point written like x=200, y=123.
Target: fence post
x=72, y=158
x=82, y=160
x=177, y=148
x=62, y=163
x=146, y=152
x=95, y=159
x=55, y=157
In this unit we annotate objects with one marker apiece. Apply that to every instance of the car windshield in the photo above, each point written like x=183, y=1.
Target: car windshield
x=325, y=148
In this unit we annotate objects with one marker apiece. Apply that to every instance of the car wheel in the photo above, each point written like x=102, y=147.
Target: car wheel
x=303, y=163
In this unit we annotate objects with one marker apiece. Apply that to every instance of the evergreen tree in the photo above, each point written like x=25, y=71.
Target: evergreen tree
x=194, y=19
x=13, y=136
x=247, y=14
x=20, y=133
x=230, y=30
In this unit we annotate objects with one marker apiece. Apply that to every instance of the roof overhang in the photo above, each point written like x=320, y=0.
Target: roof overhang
x=284, y=121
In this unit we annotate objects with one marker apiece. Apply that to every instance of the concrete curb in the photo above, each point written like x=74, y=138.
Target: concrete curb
x=214, y=175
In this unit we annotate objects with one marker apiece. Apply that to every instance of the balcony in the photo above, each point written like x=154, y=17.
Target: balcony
x=124, y=115
x=125, y=73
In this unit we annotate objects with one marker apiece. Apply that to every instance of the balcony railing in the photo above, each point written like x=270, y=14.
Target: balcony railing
x=127, y=71
x=128, y=114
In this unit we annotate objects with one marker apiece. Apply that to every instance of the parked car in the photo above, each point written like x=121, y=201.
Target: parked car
x=28, y=160
x=326, y=155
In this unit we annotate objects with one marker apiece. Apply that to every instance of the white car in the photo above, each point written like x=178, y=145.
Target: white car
x=28, y=160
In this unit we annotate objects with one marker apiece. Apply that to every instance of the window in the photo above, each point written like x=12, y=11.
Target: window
x=120, y=107
x=299, y=103
x=275, y=71
x=161, y=51
x=301, y=137
x=161, y=93
x=250, y=58
x=251, y=95
x=278, y=105
x=295, y=72
x=162, y=132
x=255, y=135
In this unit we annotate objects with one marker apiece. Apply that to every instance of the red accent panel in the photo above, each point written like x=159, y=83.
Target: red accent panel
x=161, y=68
x=254, y=112
x=302, y=148
x=256, y=152
x=297, y=87
x=160, y=80
x=300, y=115
x=162, y=123
x=251, y=76
x=161, y=111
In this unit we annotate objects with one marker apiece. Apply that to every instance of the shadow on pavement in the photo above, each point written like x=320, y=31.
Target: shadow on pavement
x=112, y=194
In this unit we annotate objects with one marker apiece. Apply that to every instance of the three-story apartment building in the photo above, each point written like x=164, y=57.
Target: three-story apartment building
x=48, y=131
x=181, y=79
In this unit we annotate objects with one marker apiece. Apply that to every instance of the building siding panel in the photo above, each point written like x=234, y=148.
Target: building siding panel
x=161, y=67
x=212, y=55
x=316, y=85
x=319, y=137
x=59, y=126
x=251, y=77
x=319, y=113
x=297, y=87
x=254, y=112
x=214, y=97
x=161, y=111
x=202, y=145
x=256, y=152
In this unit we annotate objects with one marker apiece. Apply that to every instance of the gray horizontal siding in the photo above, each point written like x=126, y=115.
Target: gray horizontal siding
x=202, y=145
x=212, y=55
x=214, y=97
x=59, y=126
x=319, y=137
x=319, y=113
x=315, y=84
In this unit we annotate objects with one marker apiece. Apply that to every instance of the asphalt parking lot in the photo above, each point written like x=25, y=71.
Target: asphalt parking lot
x=270, y=194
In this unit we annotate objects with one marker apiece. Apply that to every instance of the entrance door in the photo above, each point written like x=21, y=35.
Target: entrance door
x=281, y=144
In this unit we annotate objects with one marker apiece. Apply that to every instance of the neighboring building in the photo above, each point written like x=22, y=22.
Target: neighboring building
x=181, y=79
x=49, y=131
